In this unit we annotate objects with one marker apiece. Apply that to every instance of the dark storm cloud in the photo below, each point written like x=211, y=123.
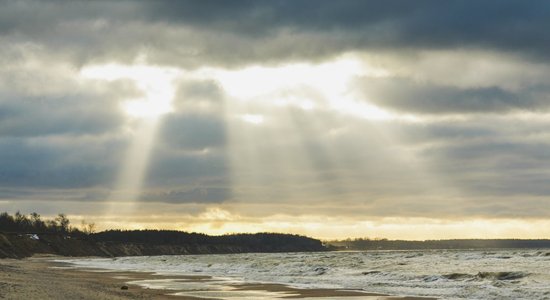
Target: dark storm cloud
x=66, y=164
x=68, y=114
x=51, y=195
x=499, y=167
x=488, y=157
x=193, y=132
x=170, y=166
x=54, y=132
x=39, y=97
x=429, y=22
x=200, y=98
x=199, y=90
x=504, y=25
x=191, y=33
x=177, y=175
x=423, y=97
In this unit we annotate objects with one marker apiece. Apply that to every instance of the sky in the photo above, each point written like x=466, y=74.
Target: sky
x=333, y=119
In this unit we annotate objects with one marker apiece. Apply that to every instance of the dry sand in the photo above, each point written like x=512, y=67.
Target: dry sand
x=41, y=278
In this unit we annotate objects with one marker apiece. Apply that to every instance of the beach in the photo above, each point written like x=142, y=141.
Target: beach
x=40, y=277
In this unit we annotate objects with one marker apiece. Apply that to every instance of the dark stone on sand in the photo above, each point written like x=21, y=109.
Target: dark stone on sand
x=370, y=272
x=501, y=275
x=320, y=270
x=457, y=276
x=124, y=287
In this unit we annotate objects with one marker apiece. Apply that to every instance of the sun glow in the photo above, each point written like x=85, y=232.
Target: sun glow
x=156, y=84
x=305, y=86
x=253, y=119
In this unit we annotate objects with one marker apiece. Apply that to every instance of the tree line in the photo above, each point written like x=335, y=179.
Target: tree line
x=263, y=242
x=33, y=223
x=173, y=237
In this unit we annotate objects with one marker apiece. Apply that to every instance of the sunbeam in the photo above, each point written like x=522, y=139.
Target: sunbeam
x=144, y=114
x=287, y=145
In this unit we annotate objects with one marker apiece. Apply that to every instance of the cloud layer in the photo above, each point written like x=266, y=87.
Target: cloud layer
x=423, y=109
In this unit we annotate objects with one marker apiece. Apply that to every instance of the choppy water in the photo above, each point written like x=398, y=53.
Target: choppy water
x=447, y=274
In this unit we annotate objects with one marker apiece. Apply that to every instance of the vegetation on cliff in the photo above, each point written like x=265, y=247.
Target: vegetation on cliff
x=22, y=236
x=20, y=223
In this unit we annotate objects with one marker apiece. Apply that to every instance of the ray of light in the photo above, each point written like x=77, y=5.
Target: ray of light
x=286, y=171
x=276, y=156
x=143, y=119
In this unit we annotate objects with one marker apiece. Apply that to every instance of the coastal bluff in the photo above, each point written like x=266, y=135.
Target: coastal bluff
x=150, y=242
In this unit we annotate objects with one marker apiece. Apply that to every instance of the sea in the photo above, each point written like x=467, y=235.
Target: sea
x=444, y=274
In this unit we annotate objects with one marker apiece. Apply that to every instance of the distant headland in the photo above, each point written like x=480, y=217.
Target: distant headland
x=362, y=244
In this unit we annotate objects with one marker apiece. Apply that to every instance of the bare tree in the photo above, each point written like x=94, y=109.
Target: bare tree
x=63, y=222
x=88, y=228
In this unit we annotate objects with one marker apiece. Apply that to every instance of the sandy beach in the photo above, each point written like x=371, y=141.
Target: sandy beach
x=41, y=278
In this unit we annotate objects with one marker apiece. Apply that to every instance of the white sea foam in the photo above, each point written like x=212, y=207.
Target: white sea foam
x=448, y=274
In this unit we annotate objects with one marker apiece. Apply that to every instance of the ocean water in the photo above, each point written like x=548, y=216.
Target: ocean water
x=446, y=274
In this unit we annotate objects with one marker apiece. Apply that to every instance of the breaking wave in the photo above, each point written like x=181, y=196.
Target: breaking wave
x=453, y=274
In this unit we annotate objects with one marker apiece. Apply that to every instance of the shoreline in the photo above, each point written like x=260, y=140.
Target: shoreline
x=40, y=277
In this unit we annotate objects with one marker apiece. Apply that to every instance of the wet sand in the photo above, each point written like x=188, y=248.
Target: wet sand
x=41, y=278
